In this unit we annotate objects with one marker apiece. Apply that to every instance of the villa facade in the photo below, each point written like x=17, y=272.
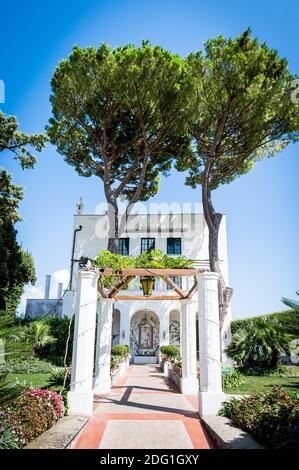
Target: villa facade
x=144, y=324
x=147, y=324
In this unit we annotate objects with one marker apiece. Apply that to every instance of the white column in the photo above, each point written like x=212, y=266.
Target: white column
x=210, y=393
x=189, y=380
x=102, y=382
x=81, y=395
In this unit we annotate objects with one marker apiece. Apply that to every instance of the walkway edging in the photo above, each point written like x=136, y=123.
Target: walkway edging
x=227, y=435
x=61, y=435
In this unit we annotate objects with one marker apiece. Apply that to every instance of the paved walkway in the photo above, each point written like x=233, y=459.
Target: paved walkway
x=144, y=411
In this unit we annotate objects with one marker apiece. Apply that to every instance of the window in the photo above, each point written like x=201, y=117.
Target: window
x=147, y=244
x=177, y=280
x=174, y=246
x=123, y=246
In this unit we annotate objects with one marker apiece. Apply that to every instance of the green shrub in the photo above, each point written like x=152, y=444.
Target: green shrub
x=120, y=350
x=272, y=418
x=31, y=414
x=57, y=377
x=170, y=352
x=36, y=333
x=260, y=344
x=119, y=353
x=54, y=353
x=30, y=365
x=64, y=396
x=8, y=439
x=232, y=379
x=269, y=371
x=115, y=361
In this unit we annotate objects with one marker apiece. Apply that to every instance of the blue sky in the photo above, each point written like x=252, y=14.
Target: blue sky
x=261, y=207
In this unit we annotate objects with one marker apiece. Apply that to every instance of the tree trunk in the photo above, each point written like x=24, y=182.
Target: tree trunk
x=213, y=220
x=113, y=233
x=275, y=359
x=224, y=293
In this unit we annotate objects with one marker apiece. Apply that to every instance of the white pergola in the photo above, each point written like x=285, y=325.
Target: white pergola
x=89, y=343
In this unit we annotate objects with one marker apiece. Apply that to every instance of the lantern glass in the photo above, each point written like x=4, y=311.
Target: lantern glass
x=147, y=285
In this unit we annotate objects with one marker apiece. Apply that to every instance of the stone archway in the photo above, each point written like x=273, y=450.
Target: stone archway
x=144, y=337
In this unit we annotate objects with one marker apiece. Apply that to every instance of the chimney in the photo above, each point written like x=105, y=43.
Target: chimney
x=47, y=286
x=59, y=290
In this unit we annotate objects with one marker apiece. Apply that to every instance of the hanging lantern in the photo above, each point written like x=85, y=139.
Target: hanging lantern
x=147, y=283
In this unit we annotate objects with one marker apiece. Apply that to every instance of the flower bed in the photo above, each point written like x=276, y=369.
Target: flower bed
x=272, y=418
x=29, y=415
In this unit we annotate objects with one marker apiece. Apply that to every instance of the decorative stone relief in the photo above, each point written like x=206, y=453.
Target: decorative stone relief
x=174, y=333
x=144, y=335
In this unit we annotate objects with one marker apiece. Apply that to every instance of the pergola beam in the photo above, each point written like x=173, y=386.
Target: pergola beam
x=120, y=285
x=174, y=286
x=192, y=290
x=151, y=297
x=126, y=275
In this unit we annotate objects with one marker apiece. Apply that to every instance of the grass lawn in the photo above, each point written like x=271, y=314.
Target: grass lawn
x=256, y=384
x=36, y=380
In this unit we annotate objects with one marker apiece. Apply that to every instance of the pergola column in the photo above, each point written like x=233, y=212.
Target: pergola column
x=189, y=380
x=210, y=393
x=81, y=395
x=102, y=382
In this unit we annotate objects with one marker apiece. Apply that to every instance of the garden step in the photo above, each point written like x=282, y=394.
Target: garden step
x=229, y=436
x=60, y=435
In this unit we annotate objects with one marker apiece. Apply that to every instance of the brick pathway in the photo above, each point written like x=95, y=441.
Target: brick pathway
x=144, y=411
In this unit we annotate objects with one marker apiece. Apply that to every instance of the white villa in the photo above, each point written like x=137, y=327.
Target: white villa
x=190, y=318
x=144, y=324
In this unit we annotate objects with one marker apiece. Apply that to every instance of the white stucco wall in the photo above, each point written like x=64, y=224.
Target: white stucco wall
x=191, y=228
